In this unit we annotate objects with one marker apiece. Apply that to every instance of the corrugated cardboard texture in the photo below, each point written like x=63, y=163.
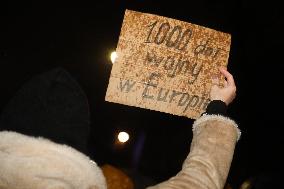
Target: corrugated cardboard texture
x=165, y=64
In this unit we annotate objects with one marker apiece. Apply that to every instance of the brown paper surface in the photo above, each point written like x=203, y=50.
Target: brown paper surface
x=165, y=64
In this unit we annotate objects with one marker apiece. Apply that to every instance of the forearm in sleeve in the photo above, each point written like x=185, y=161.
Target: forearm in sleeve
x=209, y=160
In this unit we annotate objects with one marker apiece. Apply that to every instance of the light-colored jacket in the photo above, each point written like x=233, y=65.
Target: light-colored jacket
x=37, y=163
x=210, y=157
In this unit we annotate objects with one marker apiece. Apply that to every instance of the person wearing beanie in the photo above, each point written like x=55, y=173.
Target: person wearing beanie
x=28, y=162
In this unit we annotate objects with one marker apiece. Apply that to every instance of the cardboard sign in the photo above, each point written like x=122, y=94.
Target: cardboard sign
x=165, y=64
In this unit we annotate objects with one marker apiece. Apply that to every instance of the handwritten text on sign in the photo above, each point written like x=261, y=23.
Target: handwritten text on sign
x=165, y=64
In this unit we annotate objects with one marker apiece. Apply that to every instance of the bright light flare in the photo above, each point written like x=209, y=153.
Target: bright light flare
x=113, y=57
x=123, y=137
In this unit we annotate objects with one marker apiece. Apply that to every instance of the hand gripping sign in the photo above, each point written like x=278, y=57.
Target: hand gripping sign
x=165, y=64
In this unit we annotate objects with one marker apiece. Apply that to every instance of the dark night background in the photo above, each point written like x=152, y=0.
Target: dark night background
x=41, y=37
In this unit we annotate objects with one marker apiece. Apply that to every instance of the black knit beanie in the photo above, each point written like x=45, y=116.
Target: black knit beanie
x=51, y=105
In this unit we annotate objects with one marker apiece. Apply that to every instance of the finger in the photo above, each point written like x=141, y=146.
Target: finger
x=223, y=67
x=228, y=76
x=215, y=81
x=214, y=88
x=225, y=83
